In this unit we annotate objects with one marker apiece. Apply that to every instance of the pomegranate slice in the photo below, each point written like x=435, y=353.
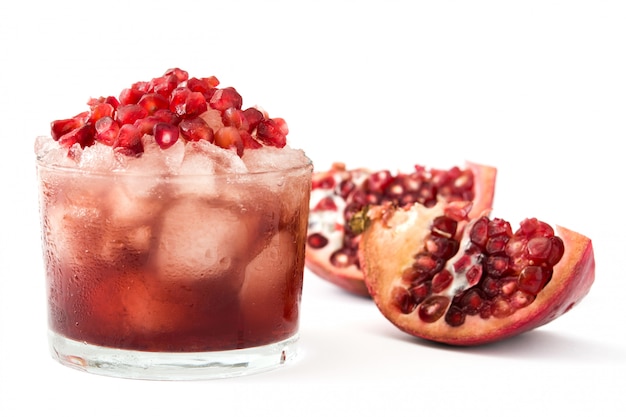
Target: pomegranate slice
x=332, y=248
x=498, y=284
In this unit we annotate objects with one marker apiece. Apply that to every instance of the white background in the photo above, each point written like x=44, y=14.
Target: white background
x=536, y=88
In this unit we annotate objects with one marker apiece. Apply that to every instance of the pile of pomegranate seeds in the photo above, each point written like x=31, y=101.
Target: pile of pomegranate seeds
x=171, y=107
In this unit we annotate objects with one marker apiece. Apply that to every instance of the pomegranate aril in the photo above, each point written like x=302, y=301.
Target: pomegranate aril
x=472, y=301
x=248, y=141
x=59, y=128
x=163, y=85
x=196, y=129
x=441, y=247
x=225, y=98
x=441, y=281
x=427, y=262
x=479, y=232
x=344, y=258
x=272, y=132
x=433, y=308
x=179, y=74
x=533, y=279
x=235, y=118
x=420, y=292
x=501, y=308
x=497, y=266
x=455, y=317
x=403, y=300
x=107, y=130
x=496, y=244
x=130, y=113
x=165, y=134
x=317, y=240
x=130, y=96
x=444, y=226
x=100, y=110
x=228, y=137
x=83, y=135
x=254, y=117
x=206, y=86
x=153, y=102
x=129, y=141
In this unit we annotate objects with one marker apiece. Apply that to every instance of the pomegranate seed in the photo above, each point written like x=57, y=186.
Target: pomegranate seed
x=472, y=301
x=474, y=274
x=444, y=226
x=326, y=203
x=130, y=113
x=130, y=96
x=497, y=266
x=59, y=128
x=166, y=116
x=533, y=279
x=179, y=74
x=441, y=247
x=343, y=258
x=236, y=118
x=153, y=102
x=100, y=110
x=228, y=137
x=107, y=130
x=248, y=141
x=420, y=292
x=272, y=132
x=521, y=299
x=427, y=262
x=441, y=281
x=455, y=316
x=163, y=85
x=165, y=134
x=317, y=240
x=403, y=300
x=196, y=129
x=479, y=232
x=146, y=125
x=83, y=135
x=501, y=308
x=254, y=117
x=433, y=308
x=496, y=244
x=129, y=141
x=225, y=98
x=195, y=105
x=557, y=250
x=206, y=86
x=499, y=227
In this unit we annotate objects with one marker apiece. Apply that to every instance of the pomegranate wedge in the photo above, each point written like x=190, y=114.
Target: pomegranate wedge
x=437, y=275
x=332, y=248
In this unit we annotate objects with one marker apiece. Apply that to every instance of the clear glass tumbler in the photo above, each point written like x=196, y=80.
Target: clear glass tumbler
x=173, y=276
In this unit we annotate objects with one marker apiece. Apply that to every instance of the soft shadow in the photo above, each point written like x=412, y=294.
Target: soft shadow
x=538, y=344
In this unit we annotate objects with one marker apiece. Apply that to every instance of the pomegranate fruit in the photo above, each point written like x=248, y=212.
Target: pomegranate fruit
x=339, y=193
x=171, y=107
x=438, y=275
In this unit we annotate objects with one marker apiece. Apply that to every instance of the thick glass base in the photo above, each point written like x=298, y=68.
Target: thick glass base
x=170, y=366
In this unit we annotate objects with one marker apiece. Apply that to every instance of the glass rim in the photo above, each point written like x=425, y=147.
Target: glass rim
x=74, y=170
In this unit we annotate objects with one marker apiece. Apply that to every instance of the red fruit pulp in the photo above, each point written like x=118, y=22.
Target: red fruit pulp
x=332, y=247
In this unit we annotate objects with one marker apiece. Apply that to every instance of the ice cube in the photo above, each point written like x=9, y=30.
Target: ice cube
x=98, y=157
x=203, y=241
x=203, y=157
x=270, y=158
